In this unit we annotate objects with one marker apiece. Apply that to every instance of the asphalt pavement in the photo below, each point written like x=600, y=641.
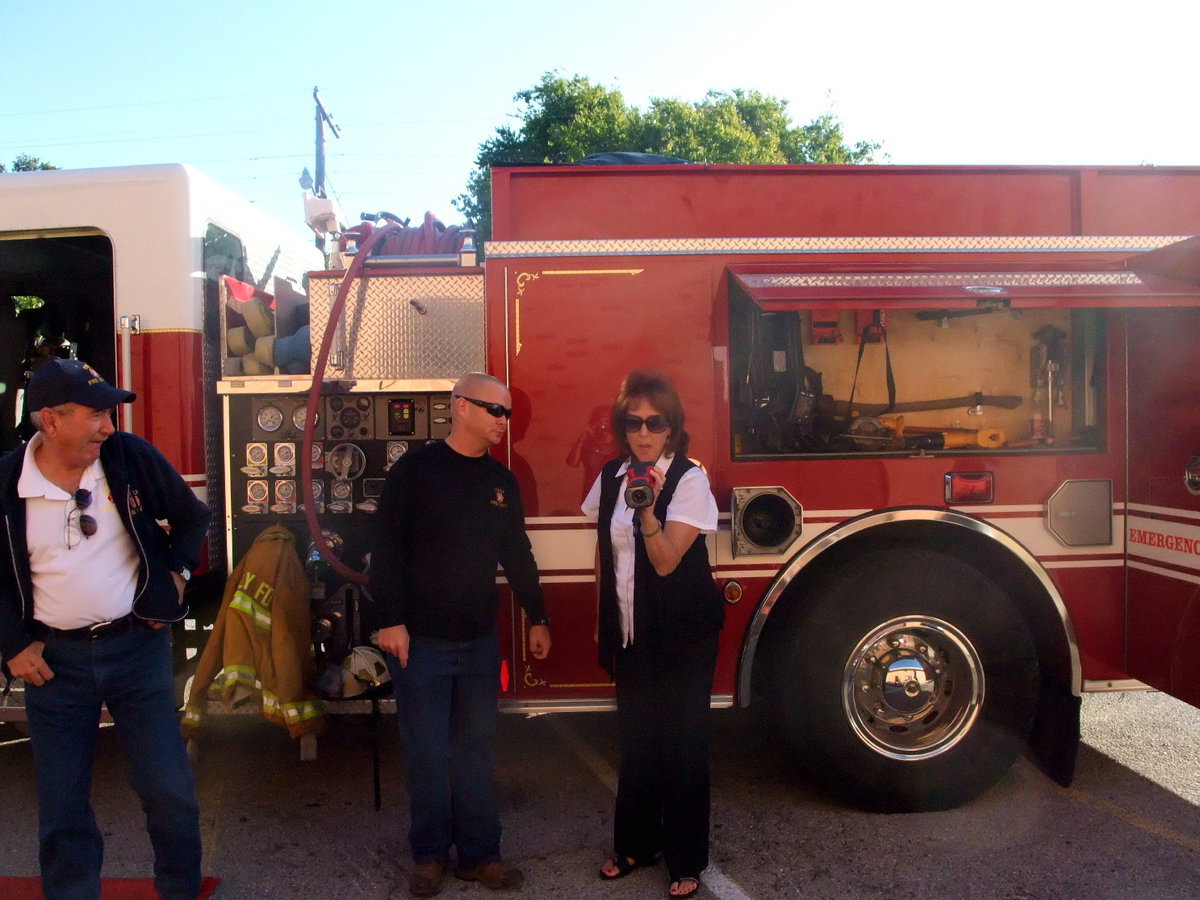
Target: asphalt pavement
x=277, y=827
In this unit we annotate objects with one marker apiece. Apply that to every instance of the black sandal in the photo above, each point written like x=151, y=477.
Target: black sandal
x=624, y=865
x=679, y=881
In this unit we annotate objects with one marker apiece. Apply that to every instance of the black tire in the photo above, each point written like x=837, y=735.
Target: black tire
x=910, y=682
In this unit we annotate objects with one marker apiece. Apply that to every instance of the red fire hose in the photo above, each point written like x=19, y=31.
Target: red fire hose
x=314, y=401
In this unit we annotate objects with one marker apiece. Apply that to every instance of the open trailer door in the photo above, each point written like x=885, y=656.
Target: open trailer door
x=1163, y=504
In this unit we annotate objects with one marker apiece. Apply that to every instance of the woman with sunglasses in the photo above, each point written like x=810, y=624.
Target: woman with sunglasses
x=659, y=616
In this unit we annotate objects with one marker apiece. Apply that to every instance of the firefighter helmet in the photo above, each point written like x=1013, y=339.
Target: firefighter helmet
x=363, y=671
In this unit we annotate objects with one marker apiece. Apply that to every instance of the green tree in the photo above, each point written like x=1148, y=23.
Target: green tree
x=563, y=120
x=27, y=163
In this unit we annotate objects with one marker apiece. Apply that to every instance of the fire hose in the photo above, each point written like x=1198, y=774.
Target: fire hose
x=314, y=402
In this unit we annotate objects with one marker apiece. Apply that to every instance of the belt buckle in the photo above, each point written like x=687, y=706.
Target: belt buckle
x=97, y=631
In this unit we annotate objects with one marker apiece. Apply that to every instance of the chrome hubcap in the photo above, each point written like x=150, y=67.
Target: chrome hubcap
x=912, y=687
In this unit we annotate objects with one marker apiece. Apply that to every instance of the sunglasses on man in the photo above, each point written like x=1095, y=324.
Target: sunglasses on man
x=493, y=409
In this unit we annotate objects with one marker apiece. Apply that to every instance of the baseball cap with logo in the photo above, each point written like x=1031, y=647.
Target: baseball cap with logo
x=61, y=381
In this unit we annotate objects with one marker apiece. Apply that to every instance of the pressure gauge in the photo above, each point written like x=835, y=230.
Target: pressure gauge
x=299, y=416
x=270, y=418
x=395, y=450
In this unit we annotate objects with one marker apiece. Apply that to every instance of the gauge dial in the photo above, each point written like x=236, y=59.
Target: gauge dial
x=256, y=454
x=270, y=418
x=299, y=416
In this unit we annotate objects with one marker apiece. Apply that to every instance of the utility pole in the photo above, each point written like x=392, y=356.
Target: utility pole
x=323, y=119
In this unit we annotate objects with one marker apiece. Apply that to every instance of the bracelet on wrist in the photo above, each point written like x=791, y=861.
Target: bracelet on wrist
x=647, y=534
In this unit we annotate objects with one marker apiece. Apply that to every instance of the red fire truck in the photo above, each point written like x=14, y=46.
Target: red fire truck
x=945, y=412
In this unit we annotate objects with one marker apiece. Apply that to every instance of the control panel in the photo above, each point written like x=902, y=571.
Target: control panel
x=355, y=440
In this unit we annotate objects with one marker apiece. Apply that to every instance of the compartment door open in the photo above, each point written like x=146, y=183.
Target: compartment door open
x=1163, y=505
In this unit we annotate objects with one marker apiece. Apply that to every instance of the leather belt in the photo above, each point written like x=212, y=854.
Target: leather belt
x=97, y=632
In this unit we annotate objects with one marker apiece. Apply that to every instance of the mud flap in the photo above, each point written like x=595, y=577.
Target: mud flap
x=1054, y=742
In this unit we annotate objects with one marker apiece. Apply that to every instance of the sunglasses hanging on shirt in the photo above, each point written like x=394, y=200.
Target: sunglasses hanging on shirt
x=85, y=523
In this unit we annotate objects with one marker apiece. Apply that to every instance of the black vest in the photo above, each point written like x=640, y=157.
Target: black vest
x=669, y=611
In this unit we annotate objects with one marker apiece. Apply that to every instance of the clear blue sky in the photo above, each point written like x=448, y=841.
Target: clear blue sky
x=416, y=87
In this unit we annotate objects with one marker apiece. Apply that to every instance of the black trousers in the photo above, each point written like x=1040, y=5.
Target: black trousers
x=663, y=788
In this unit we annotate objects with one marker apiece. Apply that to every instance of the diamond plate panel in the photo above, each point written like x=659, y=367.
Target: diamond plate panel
x=882, y=244
x=401, y=326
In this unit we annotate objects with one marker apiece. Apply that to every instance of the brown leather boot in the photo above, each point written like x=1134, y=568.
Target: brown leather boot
x=494, y=875
x=426, y=878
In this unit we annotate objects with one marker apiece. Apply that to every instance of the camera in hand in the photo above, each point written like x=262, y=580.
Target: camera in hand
x=638, y=490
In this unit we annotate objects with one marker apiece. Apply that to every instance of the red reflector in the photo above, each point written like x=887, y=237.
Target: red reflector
x=970, y=487
x=504, y=675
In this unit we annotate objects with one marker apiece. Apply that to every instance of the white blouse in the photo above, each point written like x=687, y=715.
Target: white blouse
x=692, y=503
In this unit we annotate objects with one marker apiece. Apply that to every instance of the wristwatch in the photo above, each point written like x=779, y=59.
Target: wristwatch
x=185, y=573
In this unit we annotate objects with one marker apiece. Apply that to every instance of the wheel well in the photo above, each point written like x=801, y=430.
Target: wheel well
x=1057, y=727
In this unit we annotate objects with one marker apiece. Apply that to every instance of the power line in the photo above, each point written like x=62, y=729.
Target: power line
x=172, y=102
x=258, y=95
x=139, y=138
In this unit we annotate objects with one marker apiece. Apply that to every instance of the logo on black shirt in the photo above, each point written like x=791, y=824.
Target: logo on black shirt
x=499, y=499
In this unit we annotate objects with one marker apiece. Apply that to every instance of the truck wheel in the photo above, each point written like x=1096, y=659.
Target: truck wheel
x=910, y=683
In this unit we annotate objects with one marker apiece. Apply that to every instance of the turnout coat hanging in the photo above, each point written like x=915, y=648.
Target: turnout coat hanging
x=261, y=647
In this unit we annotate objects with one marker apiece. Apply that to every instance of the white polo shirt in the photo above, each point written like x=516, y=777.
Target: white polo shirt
x=77, y=580
x=692, y=503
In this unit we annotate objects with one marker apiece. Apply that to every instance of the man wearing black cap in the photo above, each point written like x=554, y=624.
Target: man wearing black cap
x=88, y=579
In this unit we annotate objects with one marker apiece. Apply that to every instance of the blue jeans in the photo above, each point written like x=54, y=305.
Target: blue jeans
x=446, y=709
x=132, y=673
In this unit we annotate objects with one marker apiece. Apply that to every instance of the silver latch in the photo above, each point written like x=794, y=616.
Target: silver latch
x=1191, y=474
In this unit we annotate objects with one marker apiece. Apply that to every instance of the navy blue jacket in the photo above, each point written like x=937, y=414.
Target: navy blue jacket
x=152, y=491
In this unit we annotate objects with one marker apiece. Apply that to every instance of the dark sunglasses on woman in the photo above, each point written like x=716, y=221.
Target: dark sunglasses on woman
x=655, y=424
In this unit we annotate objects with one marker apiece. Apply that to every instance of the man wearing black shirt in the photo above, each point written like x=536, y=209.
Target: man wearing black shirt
x=450, y=512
